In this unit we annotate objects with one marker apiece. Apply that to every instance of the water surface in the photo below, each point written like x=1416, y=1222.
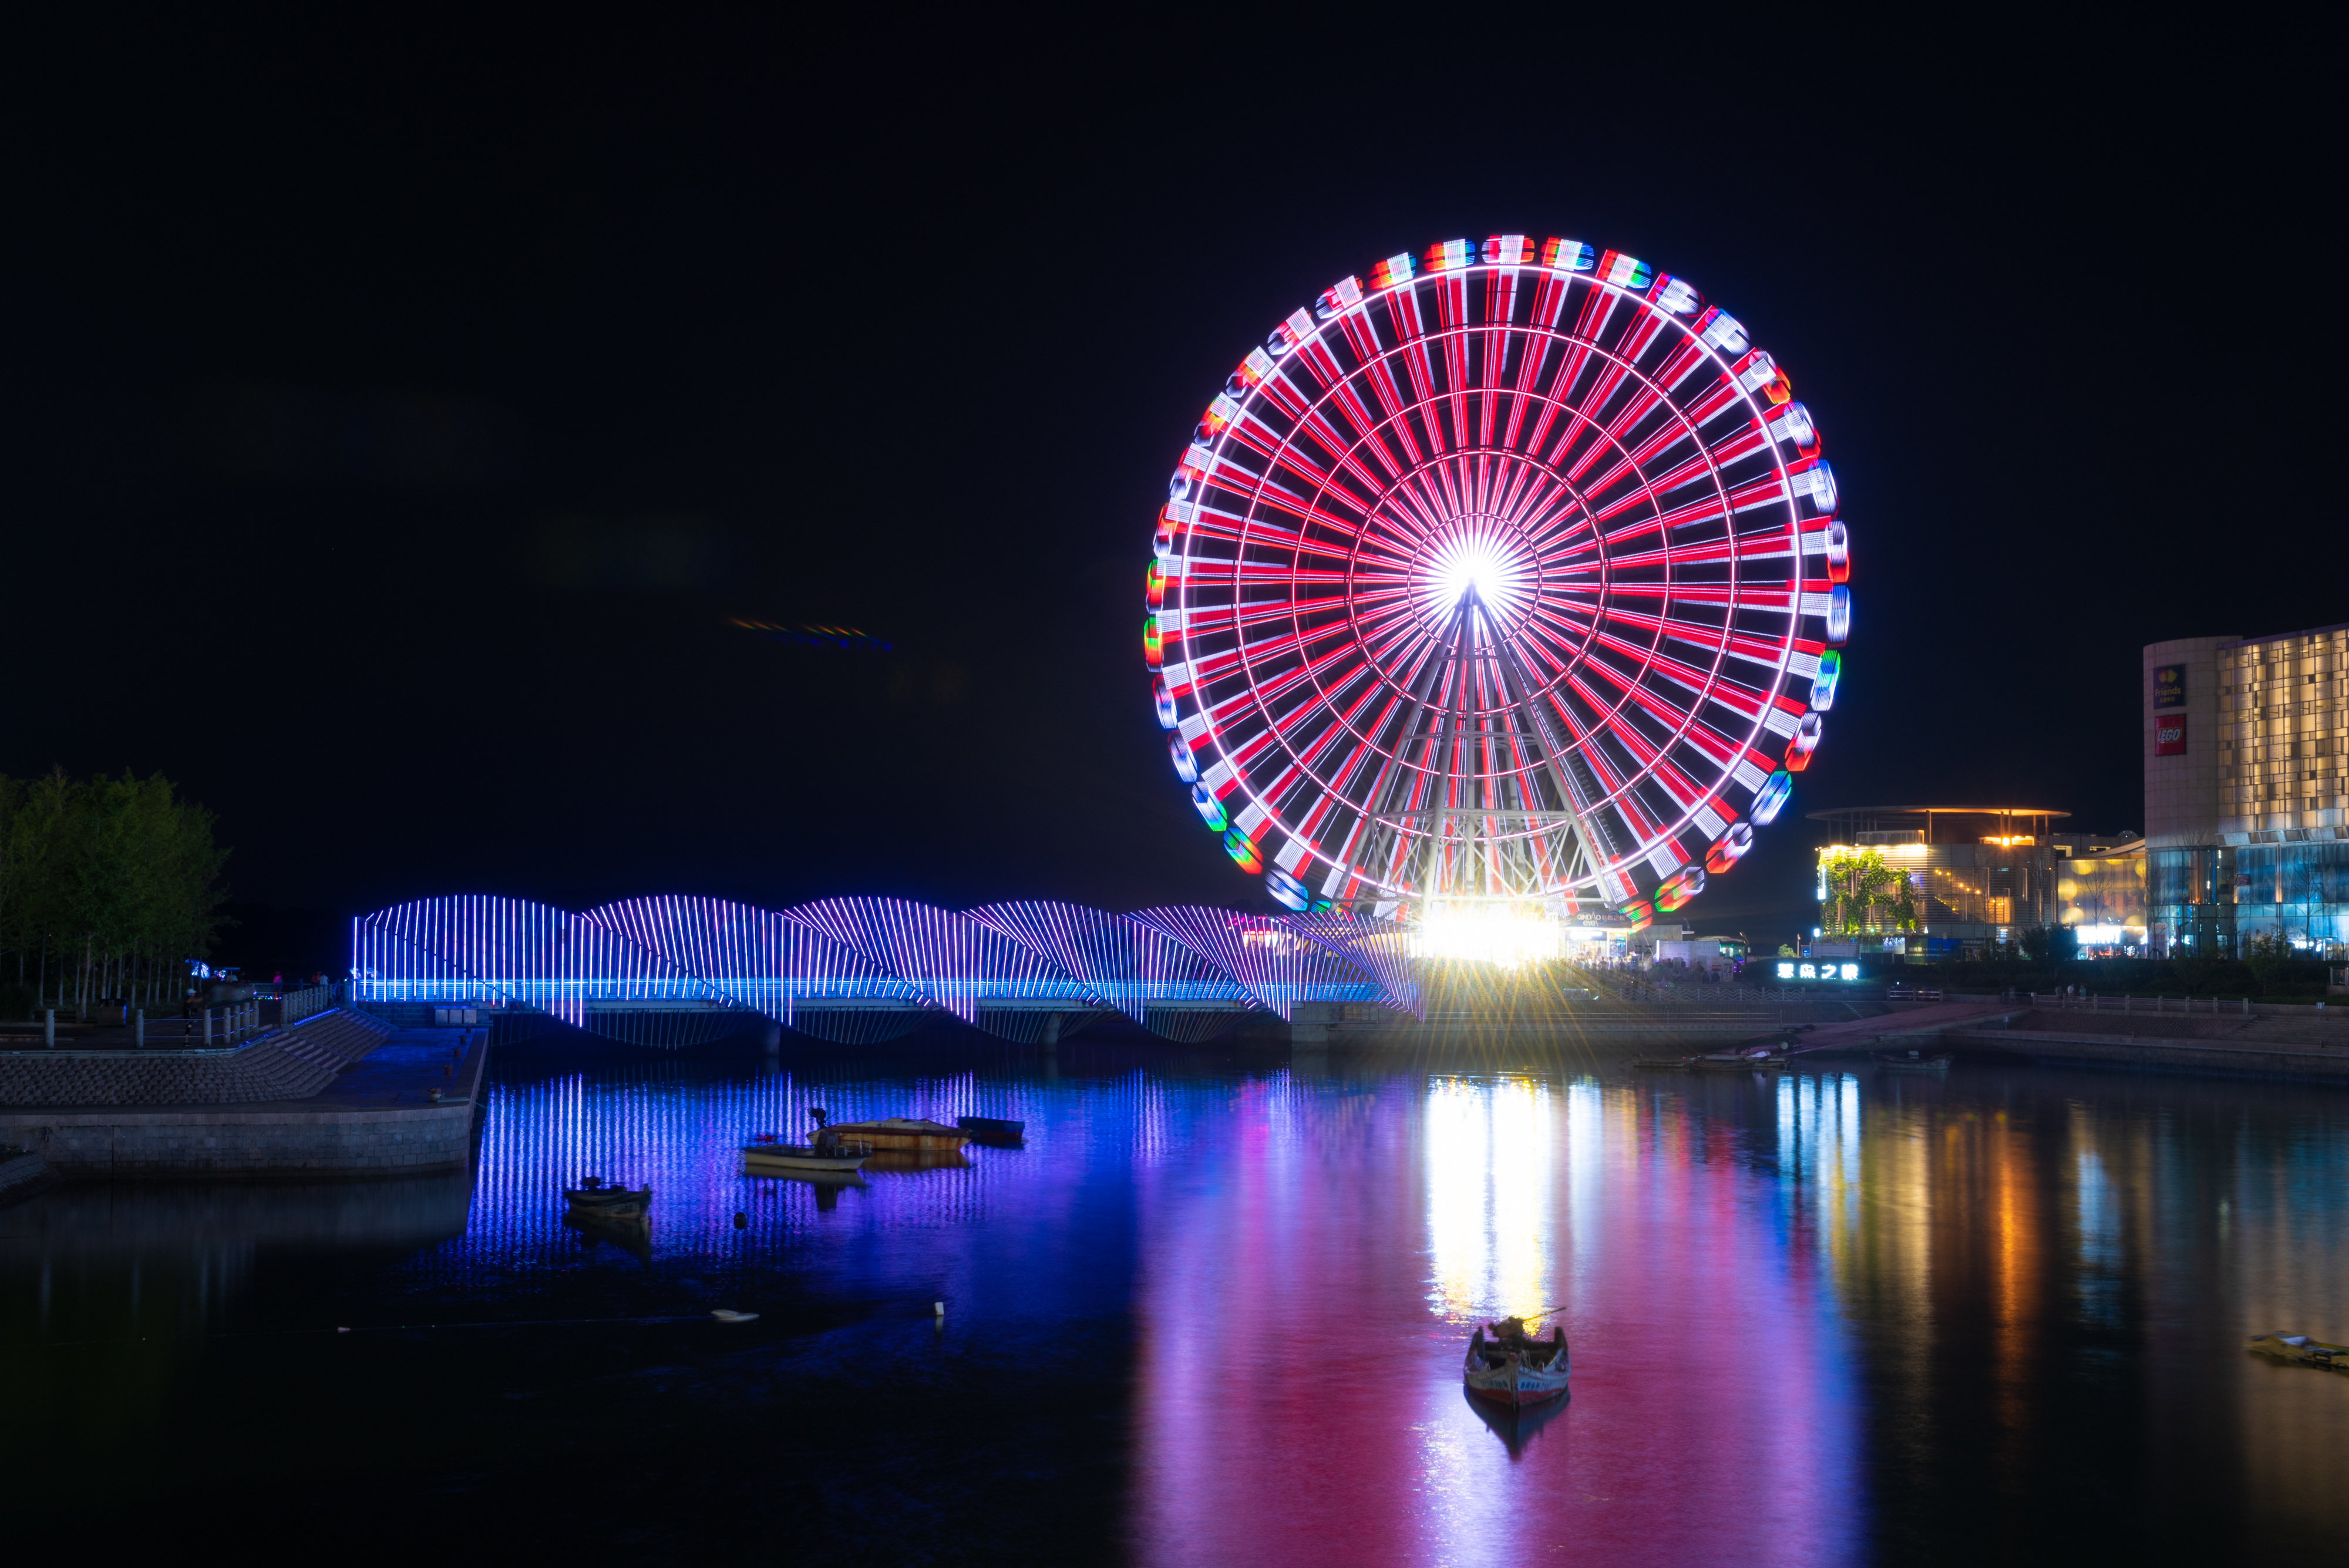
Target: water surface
x=1212, y=1313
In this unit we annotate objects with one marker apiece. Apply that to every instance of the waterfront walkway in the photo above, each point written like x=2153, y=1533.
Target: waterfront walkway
x=2299, y=1043
x=340, y=1093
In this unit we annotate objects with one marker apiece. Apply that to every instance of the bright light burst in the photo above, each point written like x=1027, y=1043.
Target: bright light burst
x=1500, y=934
x=1472, y=560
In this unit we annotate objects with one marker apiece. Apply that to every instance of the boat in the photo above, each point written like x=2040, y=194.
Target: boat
x=1760, y=1059
x=2299, y=1350
x=632, y=1233
x=903, y=1133
x=1661, y=1063
x=764, y=1156
x=1514, y=1368
x=1516, y=1425
x=993, y=1129
x=1913, y=1063
x=609, y=1200
x=728, y=1315
x=919, y=1159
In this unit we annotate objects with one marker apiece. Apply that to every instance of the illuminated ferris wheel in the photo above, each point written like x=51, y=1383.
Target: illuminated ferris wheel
x=1511, y=574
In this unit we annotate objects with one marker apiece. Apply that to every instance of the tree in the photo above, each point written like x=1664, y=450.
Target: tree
x=1862, y=894
x=2265, y=955
x=112, y=884
x=2050, y=944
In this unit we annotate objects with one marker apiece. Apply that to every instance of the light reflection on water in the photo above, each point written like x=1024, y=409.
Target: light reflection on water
x=1816, y=1319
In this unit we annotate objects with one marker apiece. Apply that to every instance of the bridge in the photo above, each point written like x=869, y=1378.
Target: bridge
x=673, y=969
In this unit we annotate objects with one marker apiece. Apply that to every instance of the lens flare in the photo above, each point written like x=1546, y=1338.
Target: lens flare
x=1497, y=934
x=1474, y=561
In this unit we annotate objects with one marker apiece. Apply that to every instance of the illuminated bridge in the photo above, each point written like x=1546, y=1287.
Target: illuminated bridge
x=675, y=970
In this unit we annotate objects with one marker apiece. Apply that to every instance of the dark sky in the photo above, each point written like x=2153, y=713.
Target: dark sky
x=395, y=418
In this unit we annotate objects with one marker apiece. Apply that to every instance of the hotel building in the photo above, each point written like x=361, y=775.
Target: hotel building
x=2247, y=792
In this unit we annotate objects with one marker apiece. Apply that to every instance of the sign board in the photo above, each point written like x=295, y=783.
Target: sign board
x=2169, y=736
x=2168, y=686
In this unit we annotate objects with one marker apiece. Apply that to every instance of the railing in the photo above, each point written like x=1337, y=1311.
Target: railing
x=304, y=1004
x=2198, y=1006
x=216, y=1028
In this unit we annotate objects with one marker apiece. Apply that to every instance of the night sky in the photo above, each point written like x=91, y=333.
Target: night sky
x=397, y=420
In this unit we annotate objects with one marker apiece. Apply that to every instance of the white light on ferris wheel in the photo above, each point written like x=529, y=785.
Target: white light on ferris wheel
x=1624, y=499
x=1472, y=562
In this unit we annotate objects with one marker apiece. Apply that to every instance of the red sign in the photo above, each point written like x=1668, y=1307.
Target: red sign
x=2169, y=736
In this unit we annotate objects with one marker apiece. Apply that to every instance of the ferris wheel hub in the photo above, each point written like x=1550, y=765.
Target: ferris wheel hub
x=1488, y=558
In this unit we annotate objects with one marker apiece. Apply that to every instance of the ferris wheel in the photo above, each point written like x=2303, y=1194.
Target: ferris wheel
x=1511, y=574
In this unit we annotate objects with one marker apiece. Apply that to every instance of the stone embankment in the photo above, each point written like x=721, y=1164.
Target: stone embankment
x=289, y=1064
x=20, y=1174
x=2300, y=1045
x=363, y=1103
x=1602, y=1028
x=2293, y=1044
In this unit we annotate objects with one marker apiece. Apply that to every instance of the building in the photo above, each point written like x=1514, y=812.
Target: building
x=2100, y=892
x=2247, y=792
x=1718, y=956
x=1934, y=880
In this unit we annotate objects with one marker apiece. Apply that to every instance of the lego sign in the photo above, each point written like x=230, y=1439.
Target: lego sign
x=2168, y=686
x=2169, y=736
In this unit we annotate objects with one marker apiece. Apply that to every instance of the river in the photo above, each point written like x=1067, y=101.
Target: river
x=1212, y=1313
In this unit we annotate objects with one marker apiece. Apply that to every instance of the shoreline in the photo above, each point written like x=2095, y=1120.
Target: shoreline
x=372, y=1116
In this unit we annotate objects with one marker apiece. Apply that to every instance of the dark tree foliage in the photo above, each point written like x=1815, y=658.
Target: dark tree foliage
x=2050, y=944
x=106, y=888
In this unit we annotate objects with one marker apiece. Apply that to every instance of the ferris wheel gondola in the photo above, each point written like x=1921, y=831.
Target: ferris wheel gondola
x=1513, y=572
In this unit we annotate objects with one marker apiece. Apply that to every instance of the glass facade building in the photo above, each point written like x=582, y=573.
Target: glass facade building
x=2102, y=897
x=2246, y=793
x=1972, y=877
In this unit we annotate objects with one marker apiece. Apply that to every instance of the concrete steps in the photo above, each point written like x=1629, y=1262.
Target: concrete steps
x=285, y=1064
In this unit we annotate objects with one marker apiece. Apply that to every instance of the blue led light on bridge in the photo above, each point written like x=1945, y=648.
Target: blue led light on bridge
x=1002, y=968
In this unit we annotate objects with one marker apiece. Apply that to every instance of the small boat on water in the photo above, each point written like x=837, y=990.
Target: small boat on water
x=632, y=1233
x=609, y=1200
x=1760, y=1059
x=1661, y=1063
x=1913, y=1063
x=919, y=1159
x=909, y=1134
x=993, y=1129
x=1513, y=1368
x=830, y=1152
x=2299, y=1350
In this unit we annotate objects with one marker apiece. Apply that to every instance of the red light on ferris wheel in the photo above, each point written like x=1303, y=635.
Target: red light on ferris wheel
x=1503, y=573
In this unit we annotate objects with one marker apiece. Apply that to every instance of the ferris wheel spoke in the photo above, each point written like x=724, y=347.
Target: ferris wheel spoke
x=1640, y=453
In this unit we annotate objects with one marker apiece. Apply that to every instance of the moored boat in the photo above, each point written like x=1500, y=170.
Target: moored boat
x=1661, y=1063
x=1756, y=1061
x=631, y=1232
x=839, y=1156
x=1913, y=1063
x=596, y=1196
x=1514, y=1368
x=2301, y=1350
x=918, y=1159
x=903, y=1133
x=993, y=1129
